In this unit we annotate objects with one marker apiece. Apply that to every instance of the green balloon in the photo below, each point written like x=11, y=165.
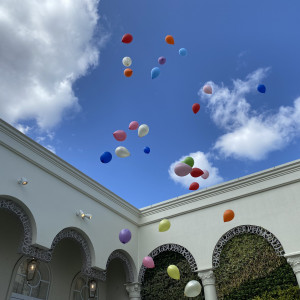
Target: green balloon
x=189, y=161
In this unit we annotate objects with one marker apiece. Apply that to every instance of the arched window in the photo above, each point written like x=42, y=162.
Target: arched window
x=37, y=288
x=80, y=288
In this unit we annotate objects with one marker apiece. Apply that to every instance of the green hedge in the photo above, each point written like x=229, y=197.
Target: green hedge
x=249, y=268
x=157, y=284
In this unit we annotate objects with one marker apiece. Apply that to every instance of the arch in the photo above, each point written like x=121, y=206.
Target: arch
x=28, y=223
x=127, y=262
x=170, y=247
x=85, y=244
x=253, y=229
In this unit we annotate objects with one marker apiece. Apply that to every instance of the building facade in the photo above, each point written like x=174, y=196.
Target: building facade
x=41, y=222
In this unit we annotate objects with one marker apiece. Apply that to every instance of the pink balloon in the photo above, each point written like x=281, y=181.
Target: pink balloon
x=148, y=262
x=133, y=125
x=205, y=175
x=120, y=135
x=207, y=89
x=182, y=169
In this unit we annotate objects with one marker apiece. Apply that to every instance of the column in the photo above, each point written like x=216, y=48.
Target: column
x=208, y=281
x=294, y=260
x=134, y=290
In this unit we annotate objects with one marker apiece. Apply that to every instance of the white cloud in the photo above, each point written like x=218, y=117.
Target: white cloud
x=45, y=46
x=250, y=134
x=201, y=161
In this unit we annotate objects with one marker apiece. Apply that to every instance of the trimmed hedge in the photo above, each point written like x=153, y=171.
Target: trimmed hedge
x=249, y=268
x=157, y=284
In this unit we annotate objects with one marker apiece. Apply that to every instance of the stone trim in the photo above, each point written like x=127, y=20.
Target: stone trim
x=253, y=229
x=170, y=247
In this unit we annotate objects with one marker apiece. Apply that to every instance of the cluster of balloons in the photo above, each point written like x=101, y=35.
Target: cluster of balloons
x=127, y=61
x=162, y=60
x=120, y=135
x=186, y=167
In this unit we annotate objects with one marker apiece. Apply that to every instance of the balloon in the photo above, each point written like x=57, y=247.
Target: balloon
x=194, y=186
x=196, y=107
x=128, y=72
x=147, y=150
x=192, y=289
x=125, y=236
x=183, y=52
x=169, y=39
x=207, y=89
x=261, y=88
x=205, y=174
x=106, y=157
x=120, y=135
x=228, y=215
x=148, y=262
x=196, y=172
x=164, y=225
x=127, y=38
x=127, y=61
x=189, y=161
x=155, y=72
x=133, y=125
x=173, y=272
x=143, y=130
x=162, y=60
x=181, y=169
x=122, y=152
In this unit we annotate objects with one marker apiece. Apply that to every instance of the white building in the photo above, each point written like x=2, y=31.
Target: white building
x=39, y=220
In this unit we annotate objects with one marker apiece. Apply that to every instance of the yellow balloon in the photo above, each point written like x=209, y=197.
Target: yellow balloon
x=164, y=225
x=173, y=272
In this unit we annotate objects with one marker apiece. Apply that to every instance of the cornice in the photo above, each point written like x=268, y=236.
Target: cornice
x=56, y=161
x=223, y=188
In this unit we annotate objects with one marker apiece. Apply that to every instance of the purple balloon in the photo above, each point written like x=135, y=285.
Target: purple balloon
x=162, y=60
x=182, y=169
x=125, y=236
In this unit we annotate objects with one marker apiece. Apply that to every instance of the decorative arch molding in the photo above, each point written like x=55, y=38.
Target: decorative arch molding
x=252, y=229
x=26, y=248
x=128, y=267
x=170, y=247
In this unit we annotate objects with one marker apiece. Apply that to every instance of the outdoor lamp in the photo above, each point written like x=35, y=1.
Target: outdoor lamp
x=31, y=269
x=23, y=181
x=92, y=288
x=83, y=215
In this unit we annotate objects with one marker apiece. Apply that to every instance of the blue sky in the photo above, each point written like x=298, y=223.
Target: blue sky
x=61, y=68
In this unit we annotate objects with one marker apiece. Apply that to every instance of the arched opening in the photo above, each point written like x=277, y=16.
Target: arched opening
x=156, y=283
x=12, y=238
x=249, y=266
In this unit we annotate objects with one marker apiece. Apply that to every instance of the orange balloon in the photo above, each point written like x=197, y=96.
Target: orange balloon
x=228, y=215
x=128, y=72
x=170, y=40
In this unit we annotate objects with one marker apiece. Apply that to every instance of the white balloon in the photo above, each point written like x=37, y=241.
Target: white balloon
x=143, y=130
x=127, y=61
x=192, y=288
x=122, y=152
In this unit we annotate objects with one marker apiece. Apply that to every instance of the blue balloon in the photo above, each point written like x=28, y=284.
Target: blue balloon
x=183, y=52
x=106, y=157
x=155, y=72
x=147, y=150
x=261, y=88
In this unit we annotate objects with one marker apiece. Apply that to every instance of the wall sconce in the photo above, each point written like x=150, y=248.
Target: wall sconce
x=23, y=181
x=84, y=215
x=31, y=269
x=92, y=288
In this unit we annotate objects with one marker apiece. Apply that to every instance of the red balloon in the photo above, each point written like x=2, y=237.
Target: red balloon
x=127, y=38
x=194, y=186
x=196, y=107
x=196, y=172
